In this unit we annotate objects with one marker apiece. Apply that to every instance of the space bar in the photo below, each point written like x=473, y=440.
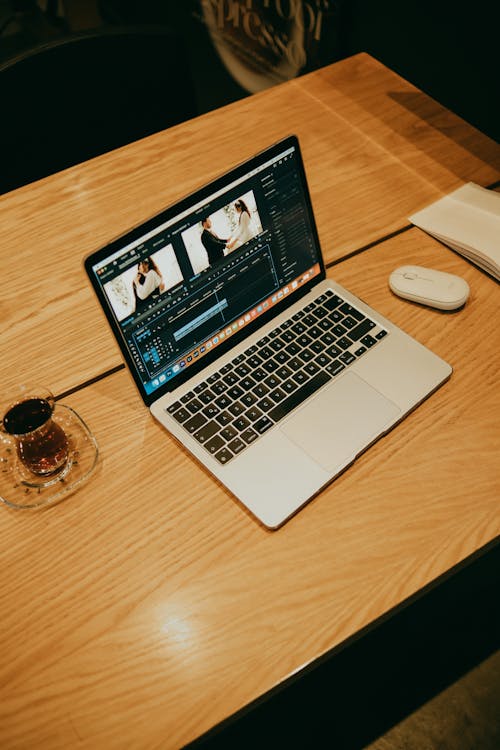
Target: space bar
x=298, y=396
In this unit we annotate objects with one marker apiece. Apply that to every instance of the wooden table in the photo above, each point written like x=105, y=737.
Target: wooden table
x=148, y=606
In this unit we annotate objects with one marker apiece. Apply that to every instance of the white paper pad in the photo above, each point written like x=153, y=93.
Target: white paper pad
x=467, y=220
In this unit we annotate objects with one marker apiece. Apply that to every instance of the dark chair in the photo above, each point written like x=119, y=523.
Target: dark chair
x=81, y=95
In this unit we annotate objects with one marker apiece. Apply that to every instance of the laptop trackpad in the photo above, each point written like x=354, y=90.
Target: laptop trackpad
x=340, y=421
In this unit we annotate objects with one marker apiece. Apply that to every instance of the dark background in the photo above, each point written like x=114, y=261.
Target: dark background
x=447, y=49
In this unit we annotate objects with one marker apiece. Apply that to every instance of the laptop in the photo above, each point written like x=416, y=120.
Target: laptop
x=274, y=377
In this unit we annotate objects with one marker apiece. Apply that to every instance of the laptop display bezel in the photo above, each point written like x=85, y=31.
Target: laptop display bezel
x=170, y=212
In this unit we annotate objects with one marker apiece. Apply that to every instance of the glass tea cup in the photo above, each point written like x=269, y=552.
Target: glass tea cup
x=41, y=444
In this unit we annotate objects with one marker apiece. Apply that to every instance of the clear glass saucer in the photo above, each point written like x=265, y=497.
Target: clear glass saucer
x=19, y=488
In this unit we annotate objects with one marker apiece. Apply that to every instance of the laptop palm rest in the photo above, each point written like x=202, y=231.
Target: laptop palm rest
x=340, y=421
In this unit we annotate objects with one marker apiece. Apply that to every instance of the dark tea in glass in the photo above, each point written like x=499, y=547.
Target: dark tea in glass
x=41, y=443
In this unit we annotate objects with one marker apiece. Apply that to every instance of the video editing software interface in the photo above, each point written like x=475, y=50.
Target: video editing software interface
x=186, y=286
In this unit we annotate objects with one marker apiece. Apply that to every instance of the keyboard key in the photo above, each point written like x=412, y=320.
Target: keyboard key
x=328, y=338
x=284, y=373
x=361, y=329
x=273, y=381
x=344, y=343
x=173, y=407
x=325, y=324
x=214, y=444
x=224, y=455
x=249, y=436
x=304, y=340
x=333, y=351
x=248, y=399
x=195, y=422
x=236, y=446
x=348, y=309
x=265, y=404
x=300, y=377
x=236, y=409
x=241, y=423
x=260, y=390
x=266, y=352
x=300, y=395
x=289, y=386
x=219, y=387
x=277, y=344
x=349, y=322
x=336, y=316
x=335, y=367
x=259, y=374
x=253, y=413
x=315, y=332
x=263, y=424
x=211, y=411
x=320, y=312
x=206, y=432
x=228, y=432
x=194, y=405
x=277, y=395
x=347, y=358
x=332, y=302
x=339, y=330
x=224, y=418
x=247, y=383
x=368, y=341
x=270, y=365
x=380, y=334
x=311, y=368
x=254, y=361
x=322, y=360
x=235, y=392
x=282, y=357
x=293, y=348
x=223, y=401
x=317, y=347
x=206, y=396
x=242, y=370
x=181, y=415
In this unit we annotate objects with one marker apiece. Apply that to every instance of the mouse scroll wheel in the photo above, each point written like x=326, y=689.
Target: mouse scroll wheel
x=410, y=275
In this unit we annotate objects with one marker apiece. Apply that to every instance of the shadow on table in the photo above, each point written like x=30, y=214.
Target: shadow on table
x=449, y=124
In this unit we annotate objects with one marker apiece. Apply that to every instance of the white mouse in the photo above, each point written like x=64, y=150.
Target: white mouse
x=429, y=287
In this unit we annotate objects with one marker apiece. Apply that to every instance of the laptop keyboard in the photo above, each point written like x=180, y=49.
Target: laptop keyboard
x=236, y=405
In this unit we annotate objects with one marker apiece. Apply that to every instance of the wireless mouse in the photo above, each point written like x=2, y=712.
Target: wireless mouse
x=427, y=286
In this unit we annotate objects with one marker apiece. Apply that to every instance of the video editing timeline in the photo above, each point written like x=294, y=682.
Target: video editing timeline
x=248, y=278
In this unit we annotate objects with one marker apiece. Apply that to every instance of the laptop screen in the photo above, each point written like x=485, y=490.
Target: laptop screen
x=179, y=289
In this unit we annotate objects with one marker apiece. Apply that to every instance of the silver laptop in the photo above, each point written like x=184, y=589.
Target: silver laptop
x=274, y=377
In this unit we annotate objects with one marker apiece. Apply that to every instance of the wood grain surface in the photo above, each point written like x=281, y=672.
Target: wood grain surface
x=370, y=162
x=149, y=605
x=436, y=146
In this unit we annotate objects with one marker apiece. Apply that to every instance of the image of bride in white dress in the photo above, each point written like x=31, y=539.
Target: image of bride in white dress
x=245, y=230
